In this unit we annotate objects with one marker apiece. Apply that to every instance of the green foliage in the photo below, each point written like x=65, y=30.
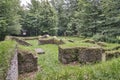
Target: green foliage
x=73, y=17
x=9, y=19
x=41, y=18
x=63, y=17
x=104, y=38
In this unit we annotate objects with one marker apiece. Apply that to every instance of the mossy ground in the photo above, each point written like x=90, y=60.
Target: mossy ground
x=52, y=69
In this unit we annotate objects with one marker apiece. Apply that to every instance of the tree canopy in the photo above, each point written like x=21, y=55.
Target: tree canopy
x=99, y=19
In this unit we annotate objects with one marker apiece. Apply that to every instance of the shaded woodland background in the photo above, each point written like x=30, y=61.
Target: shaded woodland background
x=99, y=19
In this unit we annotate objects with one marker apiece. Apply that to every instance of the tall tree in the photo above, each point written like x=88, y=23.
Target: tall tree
x=90, y=15
x=9, y=18
x=41, y=18
x=111, y=11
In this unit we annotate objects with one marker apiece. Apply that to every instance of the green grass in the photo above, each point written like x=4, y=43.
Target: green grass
x=78, y=42
x=52, y=69
x=111, y=45
x=7, y=49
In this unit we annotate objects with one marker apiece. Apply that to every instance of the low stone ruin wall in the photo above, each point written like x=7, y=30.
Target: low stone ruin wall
x=12, y=73
x=30, y=38
x=68, y=55
x=27, y=62
x=21, y=42
x=21, y=62
x=110, y=55
x=50, y=41
x=90, y=55
x=81, y=54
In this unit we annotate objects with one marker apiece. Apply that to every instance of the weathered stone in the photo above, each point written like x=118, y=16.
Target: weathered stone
x=102, y=44
x=21, y=42
x=50, y=41
x=112, y=54
x=90, y=41
x=30, y=38
x=39, y=51
x=27, y=62
x=55, y=37
x=68, y=55
x=45, y=36
x=71, y=41
x=90, y=55
x=46, y=41
x=81, y=54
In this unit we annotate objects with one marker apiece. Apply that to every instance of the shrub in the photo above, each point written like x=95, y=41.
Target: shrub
x=105, y=38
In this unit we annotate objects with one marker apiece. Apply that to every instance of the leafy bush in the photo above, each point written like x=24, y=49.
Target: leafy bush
x=104, y=38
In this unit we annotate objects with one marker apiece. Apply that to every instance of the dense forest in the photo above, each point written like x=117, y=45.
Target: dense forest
x=99, y=19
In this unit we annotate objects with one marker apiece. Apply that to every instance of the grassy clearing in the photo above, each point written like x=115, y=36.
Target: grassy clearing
x=7, y=49
x=111, y=45
x=52, y=69
x=78, y=42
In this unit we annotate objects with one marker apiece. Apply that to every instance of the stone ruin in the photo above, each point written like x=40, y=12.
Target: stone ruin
x=86, y=55
x=30, y=38
x=21, y=42
x=112, y=54
x=67, y=55
x=51, y=40
x=27, y=62
x=90, y=55
x=82, y=54
x=39, y=51
x=22, y=62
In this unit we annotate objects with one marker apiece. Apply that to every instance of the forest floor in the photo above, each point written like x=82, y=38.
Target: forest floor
x=52, y=69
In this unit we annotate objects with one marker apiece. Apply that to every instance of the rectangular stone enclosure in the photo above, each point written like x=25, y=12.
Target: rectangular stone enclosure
x=81, y=54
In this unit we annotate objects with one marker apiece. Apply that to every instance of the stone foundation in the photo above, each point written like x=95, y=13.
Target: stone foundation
x=90, y=55
x=27, y=62
x=21, y=42
x=68, y=55
x=81, y=54
x=50, y=41
x=112, y=54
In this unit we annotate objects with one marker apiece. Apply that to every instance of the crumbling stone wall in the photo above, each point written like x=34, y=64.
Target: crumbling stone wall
x=27, y=62
x=21, y=42
x=67, y=55
x=112, y=54
x=81, y=54
x=90, y=55
x=50, y=41
x=21, y=62
x=30, y=38
x=12, y=73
